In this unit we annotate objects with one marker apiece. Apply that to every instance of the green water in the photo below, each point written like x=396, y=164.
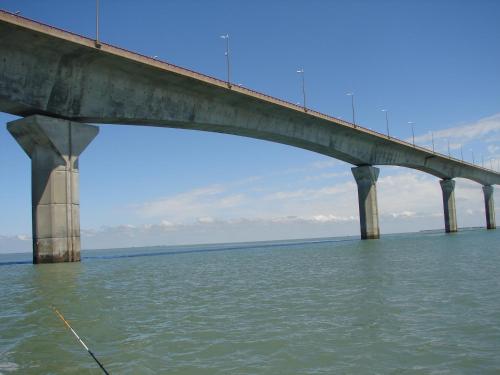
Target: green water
x=406, y=304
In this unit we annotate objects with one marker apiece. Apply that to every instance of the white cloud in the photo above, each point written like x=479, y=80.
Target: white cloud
x=403, y=214
x=459, y=135
x=317, y=165
x=322, y=164
x=166, y=224
x=402, y=193
x=492, y=149
x=325, y=176
x=206, y=220
x=188, y=204
x=334, y=218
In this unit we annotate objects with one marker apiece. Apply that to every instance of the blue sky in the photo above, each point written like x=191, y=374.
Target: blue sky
x=432, y=62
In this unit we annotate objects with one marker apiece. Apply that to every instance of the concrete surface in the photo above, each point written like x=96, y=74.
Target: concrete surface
x=54, y=146
x=450, y=211
x=366, y=179
x=489, y=207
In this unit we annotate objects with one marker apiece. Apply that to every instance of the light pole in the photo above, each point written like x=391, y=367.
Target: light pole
x=351, y=94
x=449, y=153
x=386, y=121
x=301, y=71
x=472, y=152
x=411, y=123
x=462, y=152
x=97, y=43
x=432, y=137
x=228, y=66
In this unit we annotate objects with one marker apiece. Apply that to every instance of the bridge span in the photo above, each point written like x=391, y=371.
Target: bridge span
x=59, y=81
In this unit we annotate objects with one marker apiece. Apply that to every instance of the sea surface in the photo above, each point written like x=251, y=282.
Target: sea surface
x=423, y=303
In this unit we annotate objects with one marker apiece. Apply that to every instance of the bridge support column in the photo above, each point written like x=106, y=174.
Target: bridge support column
x=450, y=212
x=366, y=178
x=54, y=146
x=489, y=205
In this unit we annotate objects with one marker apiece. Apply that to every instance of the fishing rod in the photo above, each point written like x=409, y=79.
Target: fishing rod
x=80, y=340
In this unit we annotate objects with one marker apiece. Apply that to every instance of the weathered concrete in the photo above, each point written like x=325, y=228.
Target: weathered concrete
x=366, y=178
x=50, y=71
x=450, y=212
x=54, y=146
x=489, y=207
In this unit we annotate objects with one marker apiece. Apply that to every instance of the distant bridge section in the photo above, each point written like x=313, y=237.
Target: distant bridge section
x=59, y=80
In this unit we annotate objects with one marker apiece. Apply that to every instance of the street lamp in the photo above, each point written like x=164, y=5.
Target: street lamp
x=97, y=43
x=226, y=37
x=301, y=71
x=386, y=121
x=432, y=137
x=472, y=152
x=411, y=123
x=449, y=153
x=462, y=152
x=351, y=94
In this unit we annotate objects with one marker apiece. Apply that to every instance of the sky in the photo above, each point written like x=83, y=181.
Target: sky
x=435, y=63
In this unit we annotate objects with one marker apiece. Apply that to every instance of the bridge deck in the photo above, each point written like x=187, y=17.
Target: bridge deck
x=46, y=70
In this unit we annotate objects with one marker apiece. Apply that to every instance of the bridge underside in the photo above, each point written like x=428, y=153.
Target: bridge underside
x=49, y=72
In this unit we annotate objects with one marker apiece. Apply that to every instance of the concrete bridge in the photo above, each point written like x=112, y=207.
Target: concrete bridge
x=58, y=81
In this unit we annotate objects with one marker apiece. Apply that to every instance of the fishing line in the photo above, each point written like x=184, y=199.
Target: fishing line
x=80, y=340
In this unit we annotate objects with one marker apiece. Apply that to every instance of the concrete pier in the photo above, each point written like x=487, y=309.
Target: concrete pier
x=450, y=212
x=366, y=178
x=489, y=207
x=62, y=75
x=54, y=146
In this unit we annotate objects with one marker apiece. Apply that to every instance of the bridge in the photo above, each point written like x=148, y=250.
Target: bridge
x=59, y=81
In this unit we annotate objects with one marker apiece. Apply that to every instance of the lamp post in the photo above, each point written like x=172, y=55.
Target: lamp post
x=449, y=153
x=432, y=137
x=301, y=72
x=386, y=121
x=473, y=160
x=228, y=66
x=351, y=94
x=411, y=123
x=462, y=152
x=97, y=43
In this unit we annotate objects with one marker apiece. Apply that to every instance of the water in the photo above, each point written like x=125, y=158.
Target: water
x=406, y=304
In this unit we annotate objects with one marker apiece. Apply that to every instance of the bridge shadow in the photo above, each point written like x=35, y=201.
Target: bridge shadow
x=222, y=248
x=212, y=249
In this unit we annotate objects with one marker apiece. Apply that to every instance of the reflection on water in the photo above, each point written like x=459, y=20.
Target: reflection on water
x=403, y=304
